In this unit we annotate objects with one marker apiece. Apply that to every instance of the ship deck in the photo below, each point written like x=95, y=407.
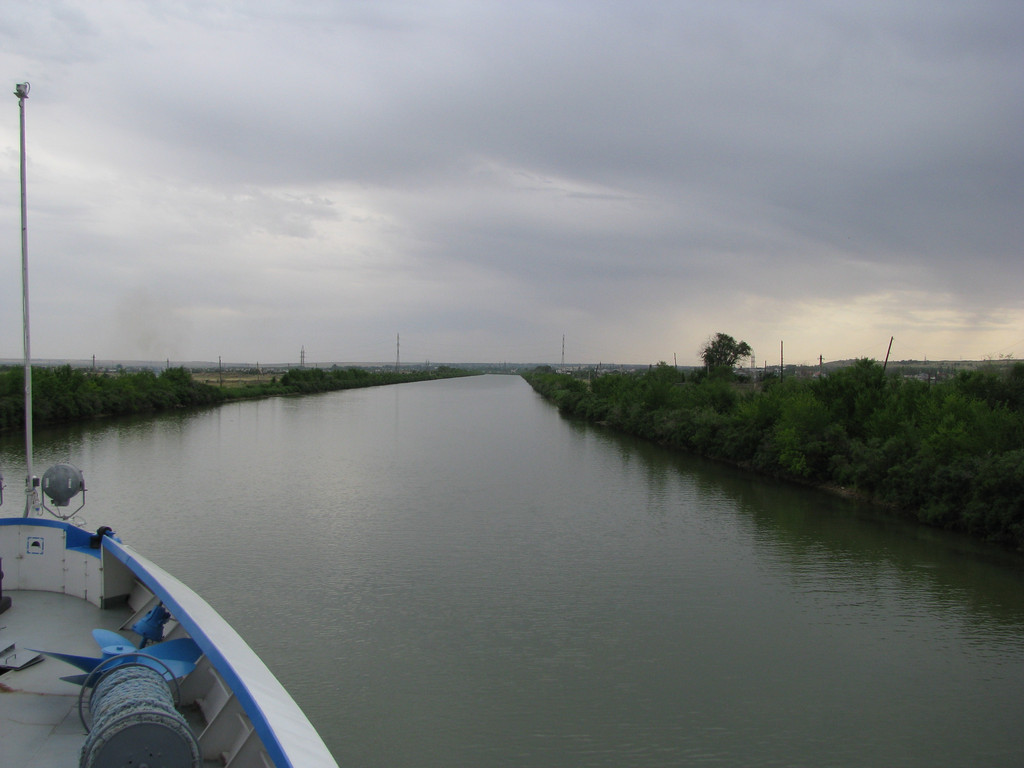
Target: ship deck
x=38, y=710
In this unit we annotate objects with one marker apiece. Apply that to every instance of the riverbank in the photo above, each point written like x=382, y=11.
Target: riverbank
x=948, y=454
x=64, y=394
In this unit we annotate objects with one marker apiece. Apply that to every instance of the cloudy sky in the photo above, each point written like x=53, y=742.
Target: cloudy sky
x=245, y=179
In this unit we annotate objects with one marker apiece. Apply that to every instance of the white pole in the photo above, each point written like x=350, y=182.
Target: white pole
x=31, y=496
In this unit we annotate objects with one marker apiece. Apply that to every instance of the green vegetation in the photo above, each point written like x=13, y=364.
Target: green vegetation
x=949, y=453
x=723, y=351
x=66, y=394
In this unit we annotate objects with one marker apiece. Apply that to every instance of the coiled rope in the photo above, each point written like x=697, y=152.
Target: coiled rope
x=134, y=722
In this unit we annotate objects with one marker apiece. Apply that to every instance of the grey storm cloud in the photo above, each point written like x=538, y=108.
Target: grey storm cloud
x=485, y=177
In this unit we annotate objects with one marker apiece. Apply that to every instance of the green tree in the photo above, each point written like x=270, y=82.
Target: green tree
x=723, y=351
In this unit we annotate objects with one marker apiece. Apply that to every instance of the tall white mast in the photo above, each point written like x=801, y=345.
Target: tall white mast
x=31, y=494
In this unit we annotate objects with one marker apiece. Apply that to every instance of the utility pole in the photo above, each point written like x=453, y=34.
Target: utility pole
x=563, y=350
x=398, y=351
x=782, y=361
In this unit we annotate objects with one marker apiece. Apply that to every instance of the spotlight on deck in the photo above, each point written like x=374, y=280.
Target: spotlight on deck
x=21, y=90
x=61, y=483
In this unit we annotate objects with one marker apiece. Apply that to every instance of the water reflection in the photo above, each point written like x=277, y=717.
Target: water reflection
x=796, y=526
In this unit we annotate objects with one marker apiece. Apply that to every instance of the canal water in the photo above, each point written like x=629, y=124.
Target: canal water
x=451, y=573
